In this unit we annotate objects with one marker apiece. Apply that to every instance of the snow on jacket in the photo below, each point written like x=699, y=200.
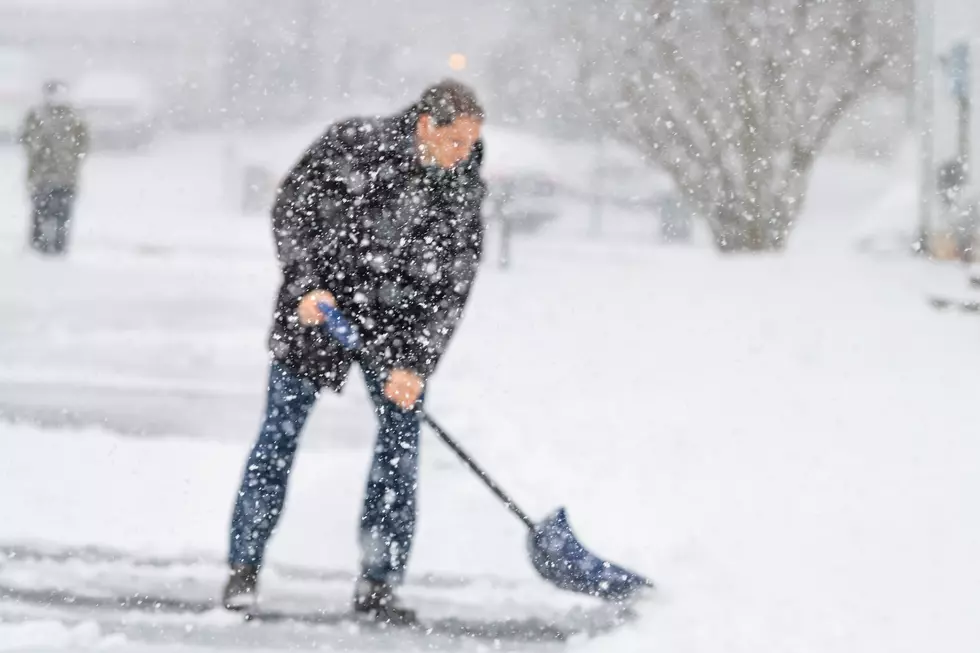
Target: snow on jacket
x=397, y=242
x=56, y=139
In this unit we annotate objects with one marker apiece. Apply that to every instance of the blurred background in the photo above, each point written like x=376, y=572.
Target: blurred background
x=146, y=72
x=671, y=128
x=718, y=233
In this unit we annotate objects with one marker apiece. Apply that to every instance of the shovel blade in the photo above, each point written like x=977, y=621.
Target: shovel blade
x=562, y=560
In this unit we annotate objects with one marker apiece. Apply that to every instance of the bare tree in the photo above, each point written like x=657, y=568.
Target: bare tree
x=735, y=99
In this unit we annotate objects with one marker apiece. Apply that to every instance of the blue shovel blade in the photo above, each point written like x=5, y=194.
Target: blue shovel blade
x=560, y=558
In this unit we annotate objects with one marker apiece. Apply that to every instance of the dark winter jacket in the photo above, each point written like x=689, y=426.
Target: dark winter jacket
x=396, y=242
x=56, y=139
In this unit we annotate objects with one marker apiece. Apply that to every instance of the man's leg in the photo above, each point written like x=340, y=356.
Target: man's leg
x=388, y=521
x=63, y=200
x=262, y=493
x=40, y=201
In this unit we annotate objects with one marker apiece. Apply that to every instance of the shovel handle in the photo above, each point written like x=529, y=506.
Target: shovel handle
x=466, y=459
x=338, y=326
x=345, y=333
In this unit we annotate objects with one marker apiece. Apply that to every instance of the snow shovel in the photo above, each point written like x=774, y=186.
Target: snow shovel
x=556, y=554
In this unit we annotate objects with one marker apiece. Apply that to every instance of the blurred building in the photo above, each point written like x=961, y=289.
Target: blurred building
x=174, y=53
x=219, y=61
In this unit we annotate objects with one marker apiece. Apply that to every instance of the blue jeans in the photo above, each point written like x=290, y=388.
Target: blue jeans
x=50, y=220
x=388, y=520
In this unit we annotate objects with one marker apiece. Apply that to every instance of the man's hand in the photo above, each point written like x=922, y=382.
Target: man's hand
x=308, y=311
x=404, y=388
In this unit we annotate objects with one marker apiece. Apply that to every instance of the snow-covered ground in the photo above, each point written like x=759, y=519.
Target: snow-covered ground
x=787, y=444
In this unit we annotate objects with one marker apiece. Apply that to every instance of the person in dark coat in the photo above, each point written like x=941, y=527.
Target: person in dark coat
x=55, y=139
x=380, y=218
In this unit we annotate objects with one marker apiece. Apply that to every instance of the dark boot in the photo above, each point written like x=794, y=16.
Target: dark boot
x=241, y=590
x=378, y=602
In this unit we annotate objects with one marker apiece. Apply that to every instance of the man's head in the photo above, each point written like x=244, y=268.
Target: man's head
x=55, y=92
x=450, y=119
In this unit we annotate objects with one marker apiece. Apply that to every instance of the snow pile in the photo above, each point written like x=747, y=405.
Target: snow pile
x=49, y=635
x=891, y=226
x=143, y=496
x=891, y=223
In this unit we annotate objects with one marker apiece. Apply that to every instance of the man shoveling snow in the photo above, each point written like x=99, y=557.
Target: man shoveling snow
x=379, y=218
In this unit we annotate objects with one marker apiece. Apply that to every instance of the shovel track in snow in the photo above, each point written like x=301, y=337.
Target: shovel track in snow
x=100, y=555
x=947, y=303
x=112, y=587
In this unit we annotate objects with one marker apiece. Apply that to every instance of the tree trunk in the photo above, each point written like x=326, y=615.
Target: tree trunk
x=737, y=229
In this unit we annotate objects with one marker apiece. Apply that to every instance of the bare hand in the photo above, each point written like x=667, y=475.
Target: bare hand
x=308, y=311
x=404, y=388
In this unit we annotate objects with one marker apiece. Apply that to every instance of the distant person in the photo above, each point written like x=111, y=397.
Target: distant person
x=380, y=218
x=56, y=140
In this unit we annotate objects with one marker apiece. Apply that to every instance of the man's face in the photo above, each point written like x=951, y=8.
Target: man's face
x=450, y=144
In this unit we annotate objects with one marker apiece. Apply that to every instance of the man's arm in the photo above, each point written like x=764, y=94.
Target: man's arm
x=27, y=129
x=431, y=342
x=422, y=348
x=82, y=138
x=309, y=217
x=414, y=355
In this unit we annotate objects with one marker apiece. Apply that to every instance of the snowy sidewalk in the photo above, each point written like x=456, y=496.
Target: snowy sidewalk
x=788, y=445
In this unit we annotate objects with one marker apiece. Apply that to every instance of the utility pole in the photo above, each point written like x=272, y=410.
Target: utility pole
x=960, y=72
x=925, y=117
